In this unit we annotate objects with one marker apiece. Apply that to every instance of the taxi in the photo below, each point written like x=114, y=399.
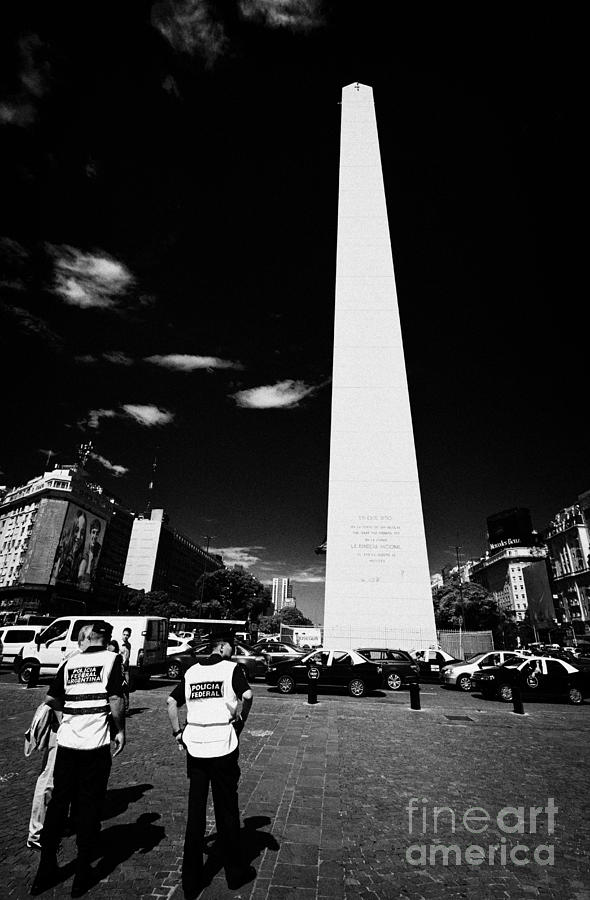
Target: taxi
x=329, y=668
x=538, y=677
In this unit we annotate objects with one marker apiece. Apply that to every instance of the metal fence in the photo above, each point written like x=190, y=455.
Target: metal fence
x=463, y=644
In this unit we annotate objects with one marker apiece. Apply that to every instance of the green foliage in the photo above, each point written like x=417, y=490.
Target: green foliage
x=288, y=616
x=468, y=606
x=232, y=594
x=154, y=603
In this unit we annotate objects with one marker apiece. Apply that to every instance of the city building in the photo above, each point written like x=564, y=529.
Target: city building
x=518, y=580
x=162, y=559
x=282, y=593
x=436, y=581
x=55, y=535
x=511, y=528
x=567, y=537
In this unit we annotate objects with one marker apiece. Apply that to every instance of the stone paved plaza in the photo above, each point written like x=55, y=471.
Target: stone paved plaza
x=325, y=792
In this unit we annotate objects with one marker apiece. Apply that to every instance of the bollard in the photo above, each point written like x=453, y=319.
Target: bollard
x=312, y=684
x=312, y=691
x=517, y=700
x=33, y=681
x=415, y=695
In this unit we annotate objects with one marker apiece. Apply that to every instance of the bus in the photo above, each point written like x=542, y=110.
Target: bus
x=211, y=627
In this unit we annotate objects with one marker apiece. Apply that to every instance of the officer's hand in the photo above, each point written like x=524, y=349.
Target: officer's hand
x=239, y=726
x=119, y=741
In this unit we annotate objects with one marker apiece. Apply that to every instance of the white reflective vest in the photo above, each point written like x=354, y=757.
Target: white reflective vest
x=211, y=707
x=85, y=722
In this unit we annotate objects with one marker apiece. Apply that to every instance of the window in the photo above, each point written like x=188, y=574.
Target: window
x=556, y=668
x=18, y=636
x=341, y=659
x=57, y=630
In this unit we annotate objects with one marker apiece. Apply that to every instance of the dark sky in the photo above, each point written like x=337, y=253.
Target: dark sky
x=169, y=176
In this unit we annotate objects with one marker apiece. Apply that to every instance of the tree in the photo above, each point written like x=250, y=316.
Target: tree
x=232, y=594
x=154, y=603
x=290, y=615
x=470, y=606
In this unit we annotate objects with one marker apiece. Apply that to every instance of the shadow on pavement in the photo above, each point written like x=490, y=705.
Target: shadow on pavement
x=118, y=843
x=118, y=800
x=253, y=843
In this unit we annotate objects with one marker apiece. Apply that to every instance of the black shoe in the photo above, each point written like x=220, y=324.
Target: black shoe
x=192, y=887
x=236, y=878
x=82, y=881
x=47, y=876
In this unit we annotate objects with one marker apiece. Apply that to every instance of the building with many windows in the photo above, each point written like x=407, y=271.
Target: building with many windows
x=57, y=550
x=517, y=578
x=162, y=559
x=567, y=537
x=282, y=593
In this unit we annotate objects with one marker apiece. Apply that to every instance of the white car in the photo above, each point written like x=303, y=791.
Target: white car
x=178, y=645
x=14, y=637
x=459, y=674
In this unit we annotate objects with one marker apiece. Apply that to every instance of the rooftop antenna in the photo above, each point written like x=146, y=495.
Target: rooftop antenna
x=150, y=490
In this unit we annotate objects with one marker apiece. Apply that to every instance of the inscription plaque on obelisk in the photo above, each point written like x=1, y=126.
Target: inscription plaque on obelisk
x=377, y=577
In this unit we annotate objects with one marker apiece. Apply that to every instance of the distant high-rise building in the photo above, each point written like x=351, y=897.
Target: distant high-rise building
x=517, y=579
x=282, y=591
x=162, y=559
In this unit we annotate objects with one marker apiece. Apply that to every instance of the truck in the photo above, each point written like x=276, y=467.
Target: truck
x=43, y=656
x=304, y=636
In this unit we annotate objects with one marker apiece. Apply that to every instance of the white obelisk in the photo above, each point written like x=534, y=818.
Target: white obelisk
x=377, y=577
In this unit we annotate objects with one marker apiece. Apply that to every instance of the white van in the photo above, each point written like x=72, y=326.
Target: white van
x=49, y=649
x=13, y=638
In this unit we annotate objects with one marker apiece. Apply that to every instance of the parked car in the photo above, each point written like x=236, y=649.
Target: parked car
x=398, y=666
x=13, y=638
x=431, y=661
x=275, y=651
x=253, y=664
x=177, y=644
x=540, y=677
x=335, y=668
x=459, y=674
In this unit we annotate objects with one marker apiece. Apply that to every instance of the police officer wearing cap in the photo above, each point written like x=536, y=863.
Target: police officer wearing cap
x=88, y=689
x=218, y=701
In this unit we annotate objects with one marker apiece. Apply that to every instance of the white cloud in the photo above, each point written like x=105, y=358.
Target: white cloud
x=298, y=15
x=238, y=556
x=282, y=395
x=115, y=469
x=89, y=281
x=148, y=415
x=311, y=575
x=184, y=362
x=86, y=359
x=118, y=358
x=190, y=26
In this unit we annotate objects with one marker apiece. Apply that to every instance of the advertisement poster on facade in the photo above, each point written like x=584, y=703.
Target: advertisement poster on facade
x=79, y=549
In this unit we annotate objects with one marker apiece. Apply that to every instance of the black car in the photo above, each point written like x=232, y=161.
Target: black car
x=398, y=666
x=539, y=677
x=253, y=664
x=277, y=651
x=334, y=668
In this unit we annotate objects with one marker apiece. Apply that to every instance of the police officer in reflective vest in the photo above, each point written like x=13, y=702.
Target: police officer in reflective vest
x=218, y=701
x=88, y=689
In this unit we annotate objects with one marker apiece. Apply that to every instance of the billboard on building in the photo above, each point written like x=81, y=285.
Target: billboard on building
x=510, y=528
x=538, y=592
x=79, y=548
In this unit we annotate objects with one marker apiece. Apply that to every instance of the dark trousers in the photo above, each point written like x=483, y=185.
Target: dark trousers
x=80, y=777
x=223, y=774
